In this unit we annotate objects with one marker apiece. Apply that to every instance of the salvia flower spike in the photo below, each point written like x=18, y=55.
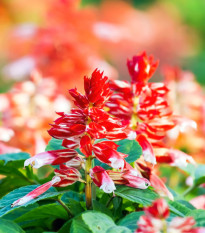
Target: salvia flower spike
x=80, y=129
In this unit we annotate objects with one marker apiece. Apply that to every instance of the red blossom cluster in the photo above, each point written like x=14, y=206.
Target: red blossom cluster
x=155, y=221
x=80, y=129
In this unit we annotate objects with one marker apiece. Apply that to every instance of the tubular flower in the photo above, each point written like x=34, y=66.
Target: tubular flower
x=129, y=178
x=101, y=179
x=155, y=180
x=142, y=106
x=79, y=130
x=145, y=111
x=154, y=221
x=54, y=157
x=36, y=192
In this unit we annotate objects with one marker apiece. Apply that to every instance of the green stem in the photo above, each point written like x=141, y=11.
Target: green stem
x=88, y=185
x=164, y=230
x=189, y=190
x=65, y=207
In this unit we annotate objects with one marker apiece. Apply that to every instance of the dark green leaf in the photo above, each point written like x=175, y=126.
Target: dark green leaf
x=6, y=201
x=141, y=196
x=7, y=226
x=97, y=206
x=130, y=221
x=44, y=211
x=66, y=227
x=131, y=148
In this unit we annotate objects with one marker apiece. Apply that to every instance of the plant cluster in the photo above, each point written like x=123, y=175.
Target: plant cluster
x=101, y=169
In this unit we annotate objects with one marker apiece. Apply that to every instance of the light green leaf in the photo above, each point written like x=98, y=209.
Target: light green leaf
x=118, y=229
x=77, y=226
x=141, y=196
x=130, y=147
x=199, y=216
x=14, y=157
x=7, y=226
x=54, y=144
x=97, y=222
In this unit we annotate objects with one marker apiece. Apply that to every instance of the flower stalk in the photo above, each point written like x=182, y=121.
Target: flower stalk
x=88, y=185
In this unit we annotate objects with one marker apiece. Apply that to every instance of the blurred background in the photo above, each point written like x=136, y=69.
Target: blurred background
x=46, y=47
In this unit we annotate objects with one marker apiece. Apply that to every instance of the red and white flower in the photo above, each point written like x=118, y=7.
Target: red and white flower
x=102, y=180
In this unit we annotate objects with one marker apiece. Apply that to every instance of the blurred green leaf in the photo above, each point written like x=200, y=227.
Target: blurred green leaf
x=199, y=216
x=7, y=226
x=130, y=221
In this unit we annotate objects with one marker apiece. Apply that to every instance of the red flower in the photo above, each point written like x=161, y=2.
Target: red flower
x=97, y=91
x=141, y=67
x=106, y=152
x=147, y=149
x=155, y=221
x=158, y=209
x=67, y=175
x=129, y=177
x=101, y=179
x=54, y=157
x=36, y=192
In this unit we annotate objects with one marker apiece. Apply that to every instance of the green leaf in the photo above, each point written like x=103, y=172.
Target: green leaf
x=14, y=157
x=54, y=144
x=141, y=196
x=66, y=227
x=130, y=221
x=12, y=182
x=117, y=207
x=7, y=226
x=77, y=226
x=10, y=163
x=130, y=147
x=97, y=206
x=178, y=208
x=199, y=216
x=6, y=201
x=44, y=211
x=97, y=222
x=118, y=229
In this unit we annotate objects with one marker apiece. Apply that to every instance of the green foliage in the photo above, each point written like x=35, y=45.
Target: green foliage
x=7, y=226
x=131, y=148
x=130, y=221
x=54, y=144
x=6, y=201
x=65, y=211
x=199, y=216
x=11, y=165
x=144, y=197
